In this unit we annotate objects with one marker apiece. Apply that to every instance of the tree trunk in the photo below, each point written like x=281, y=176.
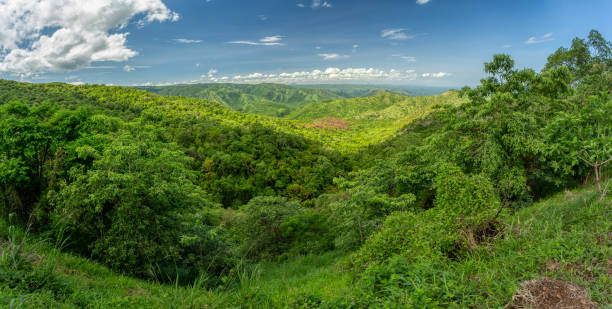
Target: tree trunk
x=597, y=177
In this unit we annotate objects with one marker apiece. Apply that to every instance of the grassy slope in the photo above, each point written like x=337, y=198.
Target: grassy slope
x=567, y=237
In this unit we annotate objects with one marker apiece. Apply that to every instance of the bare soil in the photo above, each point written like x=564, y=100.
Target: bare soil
x=545, y=293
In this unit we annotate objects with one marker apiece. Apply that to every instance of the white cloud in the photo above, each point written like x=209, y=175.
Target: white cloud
x=421, y=2
x=274, y=38
x=333, y=56
x=187, y=41
x=316, y=4
x=212, y=72
x=266, y=41
x=395, y=34
x=77, y=83
x=64, y=35
x=406, y=58
x=129, y=68
x=436, y=75
x=318, y=76
x=506, y=46
x=262, y=17
x=545, y=38
x=100, y=67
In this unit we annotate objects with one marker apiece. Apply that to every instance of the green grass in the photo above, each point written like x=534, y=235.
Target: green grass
x=567, y=236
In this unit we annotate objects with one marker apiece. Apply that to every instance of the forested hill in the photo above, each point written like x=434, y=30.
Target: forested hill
x=351, y=125
x=264, y=99
x=382, y=106
x=482, y=197
x=236, y=154
x=353, y=91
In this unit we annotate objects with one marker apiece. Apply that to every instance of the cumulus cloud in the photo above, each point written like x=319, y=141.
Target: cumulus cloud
x=421, y=2
x=395, y=34
x=64, y=35
x=187, y=41
x=436, y=75
x=316, y=4
x=266, y=41
x=317, y=76
x=545, y=38
x=333, y=56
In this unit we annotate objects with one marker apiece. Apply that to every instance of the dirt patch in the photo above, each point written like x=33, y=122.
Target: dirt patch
x=570, y=196
x=484, y=233
x=545, y=293
x=329, y=123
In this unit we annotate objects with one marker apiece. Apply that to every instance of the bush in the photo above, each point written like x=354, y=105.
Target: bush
x=309, y=232
x=258, y=228
x=463, y=204
x=130, y=210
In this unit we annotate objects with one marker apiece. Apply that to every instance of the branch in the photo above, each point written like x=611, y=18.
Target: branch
x=604, y=162
x=585, y=160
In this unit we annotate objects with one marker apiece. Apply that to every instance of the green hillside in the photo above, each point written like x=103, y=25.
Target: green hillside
x=494, y=196
x=565, y=237
x=352, y=124
x=237, y=154
x=352, y=91
x=263, y=99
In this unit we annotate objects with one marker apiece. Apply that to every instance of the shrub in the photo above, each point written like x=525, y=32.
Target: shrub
x=258, y=228
x=463, y=203
x=130, y=209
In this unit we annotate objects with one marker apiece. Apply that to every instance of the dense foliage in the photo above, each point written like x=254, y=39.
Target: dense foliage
x=424, y=197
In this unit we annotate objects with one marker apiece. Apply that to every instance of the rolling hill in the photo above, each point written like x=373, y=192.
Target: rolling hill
x=263, y=99
x=351, y=124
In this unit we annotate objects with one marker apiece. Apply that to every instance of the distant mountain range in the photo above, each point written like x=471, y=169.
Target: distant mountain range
x=279, y=100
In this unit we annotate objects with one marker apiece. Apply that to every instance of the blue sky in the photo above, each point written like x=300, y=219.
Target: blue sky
x=407, y=42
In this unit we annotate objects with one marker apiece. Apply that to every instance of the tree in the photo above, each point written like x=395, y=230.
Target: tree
x=258, y=228
x=129, y=209
x=585, y=134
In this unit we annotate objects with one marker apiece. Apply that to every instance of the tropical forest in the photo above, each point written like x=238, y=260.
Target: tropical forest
x=232, y=193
